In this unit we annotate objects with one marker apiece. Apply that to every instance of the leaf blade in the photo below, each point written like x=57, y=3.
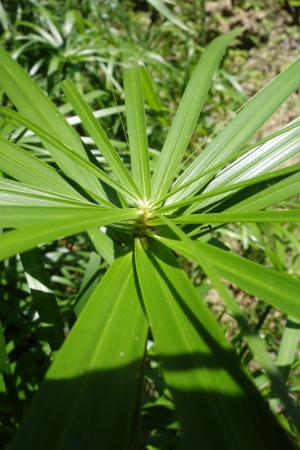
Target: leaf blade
x=95, y=130
x=242, y=127
x=187, y=114
x=17, y=241
x=138, y=142
x=34, y=104
x=198, y=365
x=94, y=366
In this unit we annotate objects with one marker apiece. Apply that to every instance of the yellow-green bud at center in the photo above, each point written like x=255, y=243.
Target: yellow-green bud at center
x=145, y=211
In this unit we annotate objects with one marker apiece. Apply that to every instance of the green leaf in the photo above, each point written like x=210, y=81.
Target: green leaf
x=187, y=114
x=25, y=167
x=43, y=297
x=136, y=125
x=274, y=177
x=242, y=127
x=4, y=360
x=149, y=92
x=269, y=196
x=98, y=114
x=288, y=346
x=29, y=99
x=242, y=165
x=161, y=7
x=103, y=244
x=20, y=216
x=15, y=193
x=89, y=281
x=95, y=130
x=90, y=169
x=17, y=241
x=248, y=217
x=257, y=346
x=210, y=390
x=261, y=159
x=94, y=383
x=275, y=288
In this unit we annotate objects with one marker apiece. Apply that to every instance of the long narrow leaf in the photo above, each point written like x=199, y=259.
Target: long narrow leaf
x=256, y=345
x=17, y=241
x=97, y=133
x=90, y=168
x=135, y=116
x=94, y=384
x=199, y=200
x=187, y=114
x=43, y=297
x=242, y=127
x=103, y=244
x=25, y=167
x=162, y=8
x=209, y=388
x=35, y=105
x=277, y=289
x=248, y=217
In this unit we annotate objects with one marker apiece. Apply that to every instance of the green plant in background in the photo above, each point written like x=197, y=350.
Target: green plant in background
x=91, y=395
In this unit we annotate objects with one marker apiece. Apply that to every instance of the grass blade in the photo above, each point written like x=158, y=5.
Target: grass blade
x=256, y=345
x=215, y=193
x=15, y=193
x=43, y=297
x=25, y=167
x=89, y=282
x=242, y=127
x=210, y=390
x=161, y=7
x=187, y=114
x=20, y=216
x=275, y=288
x=103, y=244
x=138, y=143
x=149, y=92
x=269, y=196
x=29, y=99
x=248, y=217
x=254, y=154
x=99, y=366
x=288, y=346
x=88, y=167
x=18, y=241
x=95, y=130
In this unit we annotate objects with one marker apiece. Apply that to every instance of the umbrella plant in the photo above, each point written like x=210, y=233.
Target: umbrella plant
x=156, y=208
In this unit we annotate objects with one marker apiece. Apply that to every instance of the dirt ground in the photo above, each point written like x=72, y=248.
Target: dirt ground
x=270, y=42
